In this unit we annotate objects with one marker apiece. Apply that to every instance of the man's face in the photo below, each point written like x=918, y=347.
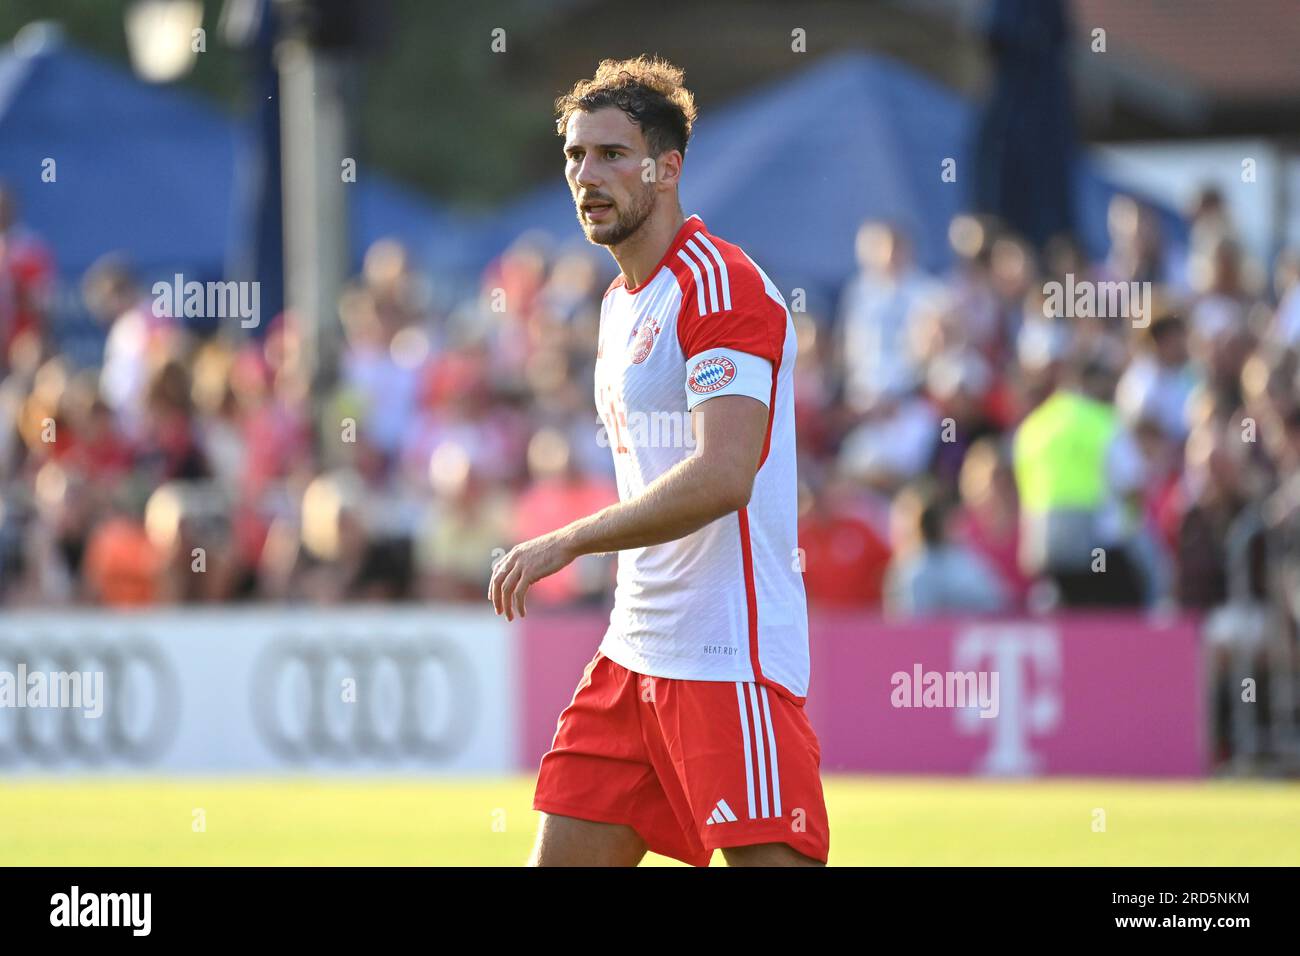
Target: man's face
x=605, y=155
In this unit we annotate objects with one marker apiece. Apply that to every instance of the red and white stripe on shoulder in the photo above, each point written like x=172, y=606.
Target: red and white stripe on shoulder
x=725, y=299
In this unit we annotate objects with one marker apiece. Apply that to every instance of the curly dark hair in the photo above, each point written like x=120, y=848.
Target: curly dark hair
x=648, y=89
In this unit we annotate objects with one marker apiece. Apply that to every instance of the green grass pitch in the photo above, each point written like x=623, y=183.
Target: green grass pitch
x=874, y=821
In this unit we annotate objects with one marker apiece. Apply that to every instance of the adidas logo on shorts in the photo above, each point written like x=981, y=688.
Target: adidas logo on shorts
x=721, y=814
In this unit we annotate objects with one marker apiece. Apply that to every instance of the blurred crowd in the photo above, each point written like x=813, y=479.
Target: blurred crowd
x=962, y=448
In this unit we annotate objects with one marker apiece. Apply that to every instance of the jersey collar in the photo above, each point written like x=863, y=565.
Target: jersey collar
x=690, y=227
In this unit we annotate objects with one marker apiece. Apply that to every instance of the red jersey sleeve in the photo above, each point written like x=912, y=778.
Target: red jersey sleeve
x=731, y=327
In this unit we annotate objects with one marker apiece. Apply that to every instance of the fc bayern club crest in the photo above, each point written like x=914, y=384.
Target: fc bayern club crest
x=645, y=341
x=711, y=375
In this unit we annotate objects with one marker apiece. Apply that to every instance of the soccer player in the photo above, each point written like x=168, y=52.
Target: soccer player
x=687, y=732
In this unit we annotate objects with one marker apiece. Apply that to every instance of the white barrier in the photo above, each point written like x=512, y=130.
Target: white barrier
x=369, y=689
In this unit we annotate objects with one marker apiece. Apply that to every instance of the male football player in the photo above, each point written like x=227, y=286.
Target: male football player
x=687, y=732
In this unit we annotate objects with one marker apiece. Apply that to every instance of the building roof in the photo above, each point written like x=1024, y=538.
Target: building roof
x=1229, y=51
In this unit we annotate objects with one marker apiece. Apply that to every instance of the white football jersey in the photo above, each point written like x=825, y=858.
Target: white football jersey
x=725, y=603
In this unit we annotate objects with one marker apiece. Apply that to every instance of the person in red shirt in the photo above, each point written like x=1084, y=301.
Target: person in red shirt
x=844, y=556
x=26, y=273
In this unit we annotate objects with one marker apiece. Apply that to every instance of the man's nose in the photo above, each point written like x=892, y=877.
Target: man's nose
x=586, y=175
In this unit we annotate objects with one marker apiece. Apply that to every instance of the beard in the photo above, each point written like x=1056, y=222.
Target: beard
x=626, y=222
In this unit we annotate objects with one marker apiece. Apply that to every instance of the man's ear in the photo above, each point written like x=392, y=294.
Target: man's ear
x=670, y=168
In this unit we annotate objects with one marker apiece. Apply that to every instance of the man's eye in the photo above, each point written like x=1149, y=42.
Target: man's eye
x=611, y=154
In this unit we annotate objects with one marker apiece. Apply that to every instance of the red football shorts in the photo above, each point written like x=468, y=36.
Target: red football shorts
x=691, y=765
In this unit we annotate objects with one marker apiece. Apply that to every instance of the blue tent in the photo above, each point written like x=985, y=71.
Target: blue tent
x=791, y=171
x=141, y=169
x=151, y=171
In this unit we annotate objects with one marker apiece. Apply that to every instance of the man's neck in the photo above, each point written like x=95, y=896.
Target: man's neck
x=641, y=252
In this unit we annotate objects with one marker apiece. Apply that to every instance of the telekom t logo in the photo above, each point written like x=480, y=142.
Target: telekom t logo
x=1027, y=658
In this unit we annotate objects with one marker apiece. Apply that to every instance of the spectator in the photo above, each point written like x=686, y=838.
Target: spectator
x=187, y=523
x=468, y=524
x=1078, y=477
x=844, y=558
x=138, y=338
x=875, y=314
x=894, y=442
x=1159, y=382
x=959, y=383
x=1285, y=328
x=1223, y=297
x=382, y=366
x=928, y=574
x=122, y=567
x=26, y=280
x=335, y=555
x=1214, y=497
x=988, y=521
x=1137, y=251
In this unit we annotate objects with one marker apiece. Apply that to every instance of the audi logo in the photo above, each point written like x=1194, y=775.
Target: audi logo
x=300, y=708
x=137, y=680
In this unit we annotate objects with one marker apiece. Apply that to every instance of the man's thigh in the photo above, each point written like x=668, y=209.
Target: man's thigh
x=568, y=841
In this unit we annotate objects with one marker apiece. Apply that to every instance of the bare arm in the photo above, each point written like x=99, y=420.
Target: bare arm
x=717, y=480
